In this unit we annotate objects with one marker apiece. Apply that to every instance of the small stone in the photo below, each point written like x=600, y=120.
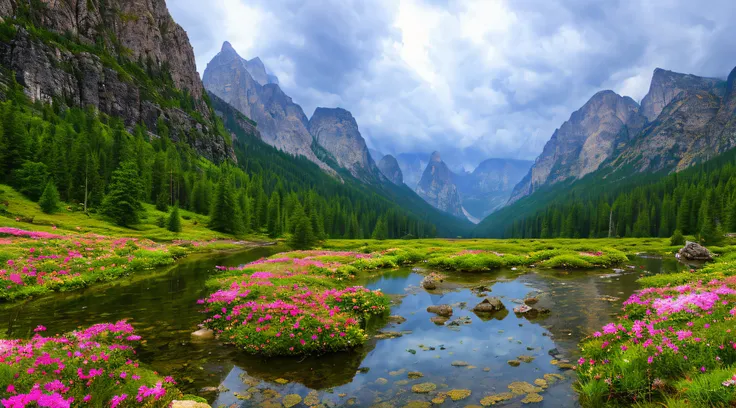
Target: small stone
x=489, y=305
x=565, y=366
x=525, y=358
x=397, y=372
x=514, y=363
x=496, y=398
x=441, y=310
x=458, y=363
x=281, y=381
x=439, y=399
x=523, y=387
x=415, y=374
x=486, y=369
x=532, y=398
x=203, y=334
x=457, y=395
x=291, y=400
x=381, y=381
x=189, y=404
x=312, y=398
x=424, y=388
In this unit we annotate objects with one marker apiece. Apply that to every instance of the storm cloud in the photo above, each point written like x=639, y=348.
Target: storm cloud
x=472, y=79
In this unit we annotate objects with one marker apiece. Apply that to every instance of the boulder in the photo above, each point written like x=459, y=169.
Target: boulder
x=489, y=305
x=429, y=283
x=441, y=310
x=693, y=251
x=188, y=404
x=203, y=334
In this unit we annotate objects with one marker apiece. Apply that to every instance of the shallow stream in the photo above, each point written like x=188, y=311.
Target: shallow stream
x=469, y=352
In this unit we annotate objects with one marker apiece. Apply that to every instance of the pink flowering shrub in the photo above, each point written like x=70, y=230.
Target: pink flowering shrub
x=34, y=263
x=673, y=339
x=92, y=367
x=290, y=306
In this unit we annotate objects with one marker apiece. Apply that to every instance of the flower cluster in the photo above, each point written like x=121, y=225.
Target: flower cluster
x=37, y=262
x=290, y=306
x=90, y=367
x=669, y=333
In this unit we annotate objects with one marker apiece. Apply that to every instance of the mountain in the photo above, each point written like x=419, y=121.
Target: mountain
x=282, y=123
x=336, y=131
x=591, y=135
x=692, y=123
x=257, y=70
x=89, y=53
x=437, y=188
x=412, y=167
x=390, y=168
x=376, y=155
x=489, y=186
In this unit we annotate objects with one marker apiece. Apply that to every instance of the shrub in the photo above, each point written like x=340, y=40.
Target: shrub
x=677, y=239
x=50, y=201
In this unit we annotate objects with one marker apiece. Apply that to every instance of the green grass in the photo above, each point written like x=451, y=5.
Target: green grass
x=25, y=214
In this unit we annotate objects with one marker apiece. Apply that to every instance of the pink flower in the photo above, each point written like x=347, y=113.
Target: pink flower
x=39, y=328
x=116, y=400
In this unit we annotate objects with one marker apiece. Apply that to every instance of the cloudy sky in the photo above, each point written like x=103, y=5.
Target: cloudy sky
x=470, y=78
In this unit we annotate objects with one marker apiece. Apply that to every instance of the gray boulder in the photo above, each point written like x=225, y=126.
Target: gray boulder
x=693, y=251
x=489, y=305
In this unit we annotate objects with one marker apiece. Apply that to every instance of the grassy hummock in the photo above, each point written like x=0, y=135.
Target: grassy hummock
x=292, y=304
x=34, y=263
x=674, y=344
x=90, y=367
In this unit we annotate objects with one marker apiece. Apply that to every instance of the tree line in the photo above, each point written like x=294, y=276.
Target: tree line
x=699, y=201
x=99, y=165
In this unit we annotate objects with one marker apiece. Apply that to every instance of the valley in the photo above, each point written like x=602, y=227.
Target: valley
x=276, y=218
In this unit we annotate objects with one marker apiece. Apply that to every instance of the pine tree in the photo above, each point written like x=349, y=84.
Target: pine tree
x=274, y=215
x=303, y=237
x=677, y=238
x=49, y=201
x=122, y=202
x=732, y=216
x=381, y=230
x=173, y=223
x=31, y=178
x=162, y=202
x=225, y=215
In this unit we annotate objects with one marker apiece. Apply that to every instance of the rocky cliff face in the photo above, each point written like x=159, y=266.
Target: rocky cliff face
x=390, y=168
x=412, y=167
x=282, y=123
x=336, y=131
x=145, y=33
x=667, y=85
x=586, y=140
x=489, y=186
x=695, y=123
x=437, y=188
x=257, y=70
x=143, y=28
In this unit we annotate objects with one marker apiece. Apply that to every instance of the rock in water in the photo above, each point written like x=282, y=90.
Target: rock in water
x=188, y=404
x=489, y=305
x=203, y=334
x=441, y=310
x=695, y=252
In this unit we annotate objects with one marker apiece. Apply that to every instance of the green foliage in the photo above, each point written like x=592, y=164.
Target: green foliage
x=49, y=201
x=381, y=230
x=31, y=178
x=677, y=238
x=700, y=201
x=162, y=202
x=173, y=223
x=225, y=216
x=122, y=203
x=303, y=236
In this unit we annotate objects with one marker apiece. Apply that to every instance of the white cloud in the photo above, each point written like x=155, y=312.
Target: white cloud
x=471, y=78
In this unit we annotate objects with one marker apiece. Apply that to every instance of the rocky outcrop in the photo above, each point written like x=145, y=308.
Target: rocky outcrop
x=584, y=142
x=666, y=86
x=437, y=188
x=336, y=131
x=390, y=168
x=695, y=125
x=412, y=167
x=489, y=305
x=142, y=29
x=282, y=123
x=257, y=70
x=49, y=71
x=693, y=251
x=489, y=186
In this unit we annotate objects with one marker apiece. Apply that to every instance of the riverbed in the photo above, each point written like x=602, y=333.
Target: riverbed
x=469, y=352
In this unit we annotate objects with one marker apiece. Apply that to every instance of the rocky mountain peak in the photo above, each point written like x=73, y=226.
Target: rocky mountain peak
x=336, y=131
x=389, y=166
x=584, y=142
x=667, y=85
x=437, y=187
x=282, y=123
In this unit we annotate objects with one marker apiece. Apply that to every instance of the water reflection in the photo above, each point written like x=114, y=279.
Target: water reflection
x=163, y=309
